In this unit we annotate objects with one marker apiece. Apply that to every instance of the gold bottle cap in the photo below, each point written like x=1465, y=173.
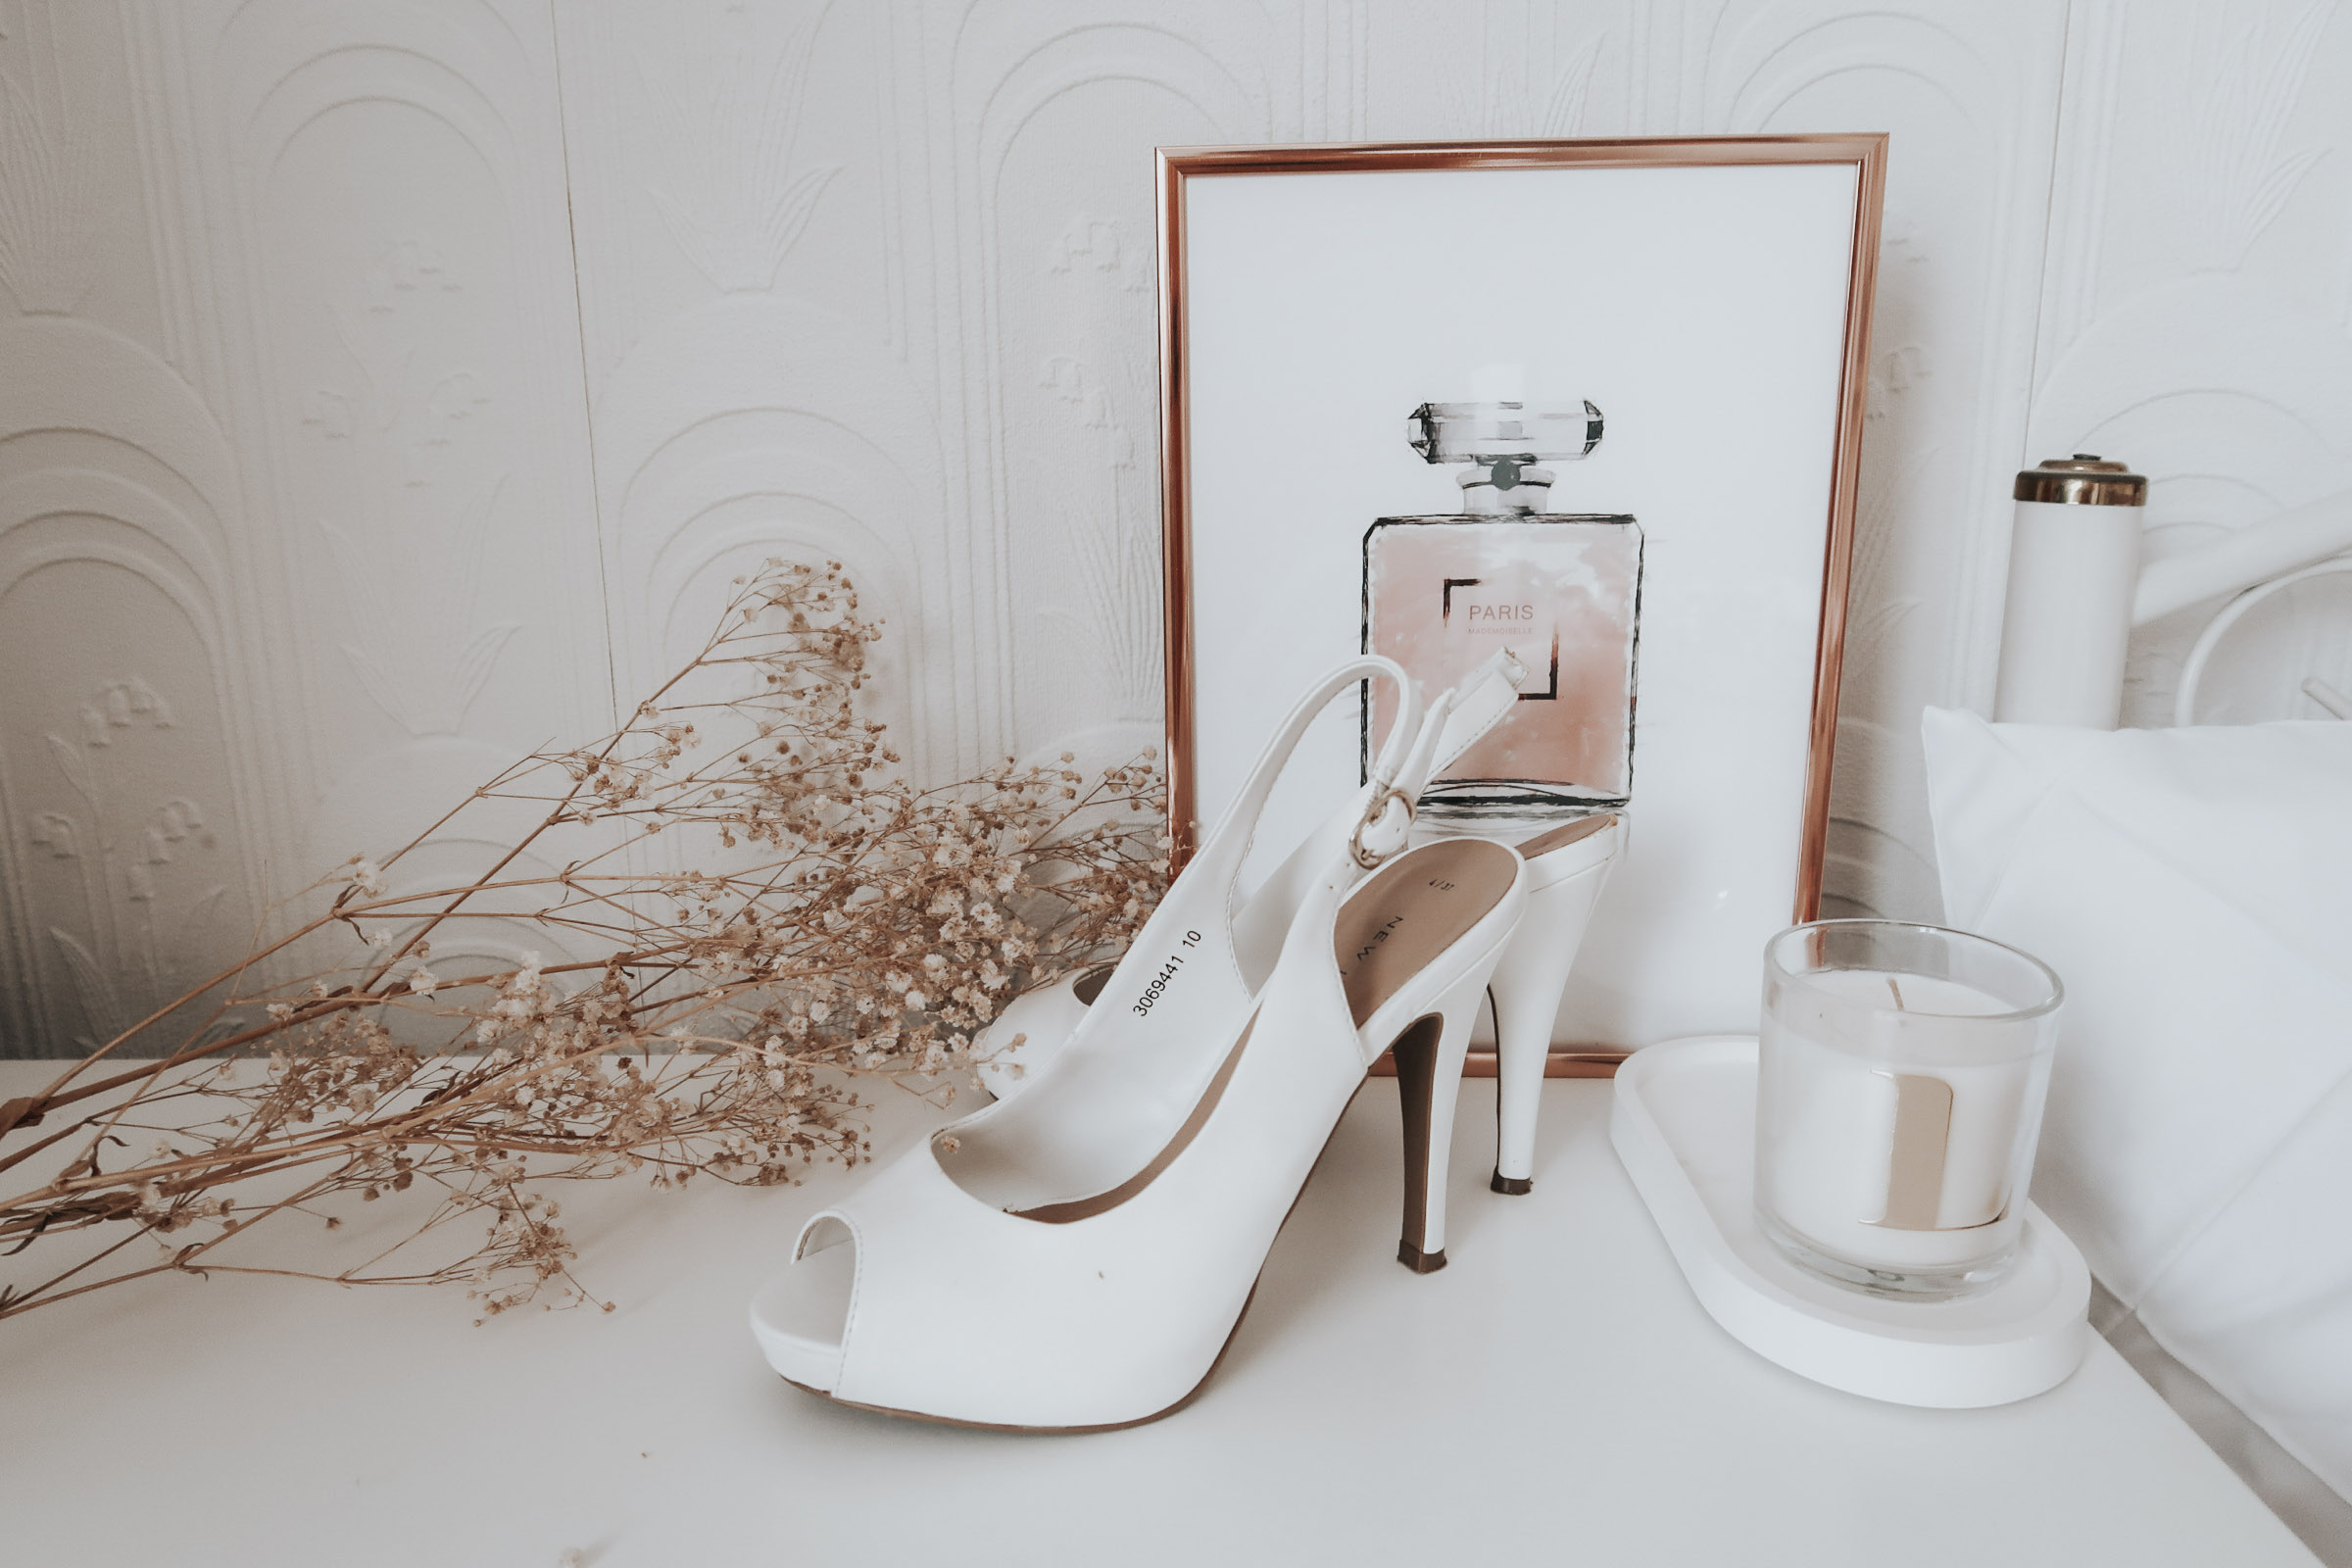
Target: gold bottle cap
x=2085, y=479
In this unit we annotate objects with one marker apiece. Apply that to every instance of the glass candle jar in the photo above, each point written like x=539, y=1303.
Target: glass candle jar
x=1902, y=1075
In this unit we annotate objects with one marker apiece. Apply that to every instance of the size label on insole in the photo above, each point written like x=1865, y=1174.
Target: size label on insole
x=1160, y=982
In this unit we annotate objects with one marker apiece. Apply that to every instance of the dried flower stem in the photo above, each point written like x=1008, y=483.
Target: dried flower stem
x=835, y=920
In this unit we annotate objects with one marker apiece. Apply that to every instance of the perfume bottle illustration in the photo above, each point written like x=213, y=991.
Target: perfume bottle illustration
x=1562, y=591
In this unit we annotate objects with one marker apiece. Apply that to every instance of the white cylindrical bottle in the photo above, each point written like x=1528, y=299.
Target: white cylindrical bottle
x=2073, y=563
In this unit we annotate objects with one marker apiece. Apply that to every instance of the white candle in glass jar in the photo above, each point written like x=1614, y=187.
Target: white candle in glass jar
x=1898, y=1117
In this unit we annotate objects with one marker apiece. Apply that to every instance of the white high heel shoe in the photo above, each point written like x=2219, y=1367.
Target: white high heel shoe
x=1023, y=1040
x=1077, y=1257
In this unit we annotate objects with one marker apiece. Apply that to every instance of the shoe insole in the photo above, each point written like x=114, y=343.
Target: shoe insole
x=1389, y=930
x=1412, y=910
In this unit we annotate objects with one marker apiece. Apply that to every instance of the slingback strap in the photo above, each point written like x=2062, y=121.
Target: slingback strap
x=1199, y=912
x=1233, y=832
x=1456, y=721
x=1219, y=861
x=1262, y=920
x=1480, y=703
x=1396, y=748
x=1375, y=824
x=1459, y=719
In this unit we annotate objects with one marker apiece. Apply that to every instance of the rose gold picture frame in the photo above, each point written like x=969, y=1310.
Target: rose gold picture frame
x=1180, y=171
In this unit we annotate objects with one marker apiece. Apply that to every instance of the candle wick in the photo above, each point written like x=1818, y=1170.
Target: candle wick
x=1898, y=993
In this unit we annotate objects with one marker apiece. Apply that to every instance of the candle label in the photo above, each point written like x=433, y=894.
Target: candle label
x=1915, y=1164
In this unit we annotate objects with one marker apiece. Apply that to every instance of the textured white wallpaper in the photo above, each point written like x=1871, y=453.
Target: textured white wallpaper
x=386, y=386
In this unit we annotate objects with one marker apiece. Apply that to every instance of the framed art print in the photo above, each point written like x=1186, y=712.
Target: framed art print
x=1598, y=403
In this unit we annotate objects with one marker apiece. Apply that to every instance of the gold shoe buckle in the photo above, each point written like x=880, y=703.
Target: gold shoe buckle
x=1375, y=813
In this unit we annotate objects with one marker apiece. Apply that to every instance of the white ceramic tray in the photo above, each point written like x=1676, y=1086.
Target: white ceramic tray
x=1684, y=1123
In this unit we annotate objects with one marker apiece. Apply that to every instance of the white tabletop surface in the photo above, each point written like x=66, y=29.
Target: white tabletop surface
x=1555, y=1396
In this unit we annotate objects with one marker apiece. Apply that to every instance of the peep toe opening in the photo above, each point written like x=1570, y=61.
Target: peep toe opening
x=802, y=1317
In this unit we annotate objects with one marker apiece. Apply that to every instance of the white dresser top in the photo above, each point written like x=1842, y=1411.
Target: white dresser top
x=1555, y=1396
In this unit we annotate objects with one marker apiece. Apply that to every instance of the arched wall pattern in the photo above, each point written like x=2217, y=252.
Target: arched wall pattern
x=872, y=282
x=410, y=466
x=751, y=397
x=290, y=78
x=113, y=583
x=129, y=846
x=1072, y=502
x=739, y=505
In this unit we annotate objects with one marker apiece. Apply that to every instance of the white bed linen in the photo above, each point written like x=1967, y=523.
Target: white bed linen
x=2193, y=889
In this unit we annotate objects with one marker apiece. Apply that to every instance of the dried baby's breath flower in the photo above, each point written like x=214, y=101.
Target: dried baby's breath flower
x=814, y=916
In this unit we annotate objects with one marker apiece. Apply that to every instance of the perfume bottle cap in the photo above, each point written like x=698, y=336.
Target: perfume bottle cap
x=1496, y=432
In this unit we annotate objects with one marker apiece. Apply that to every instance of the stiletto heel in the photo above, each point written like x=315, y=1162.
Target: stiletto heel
x=1567, y=868
x=1429, y=1081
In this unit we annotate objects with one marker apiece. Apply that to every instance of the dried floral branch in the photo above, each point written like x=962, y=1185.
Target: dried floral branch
x=748, y=906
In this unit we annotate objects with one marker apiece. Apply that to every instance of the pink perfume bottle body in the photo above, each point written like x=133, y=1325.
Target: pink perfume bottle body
x=1562, y=592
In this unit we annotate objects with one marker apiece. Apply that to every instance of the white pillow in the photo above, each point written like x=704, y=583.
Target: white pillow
x=2193, y=890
